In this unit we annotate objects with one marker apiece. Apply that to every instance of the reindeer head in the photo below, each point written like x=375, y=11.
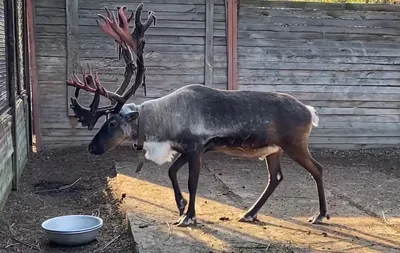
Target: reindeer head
x=118, y=128
x=115, y=129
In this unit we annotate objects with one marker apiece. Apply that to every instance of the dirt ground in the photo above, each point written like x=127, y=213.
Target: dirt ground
x=93, y=187
x=38, y=199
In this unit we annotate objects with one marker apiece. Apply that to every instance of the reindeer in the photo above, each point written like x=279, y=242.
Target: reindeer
x=196, y=119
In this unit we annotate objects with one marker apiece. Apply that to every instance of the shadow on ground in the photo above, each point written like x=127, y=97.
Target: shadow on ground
x=362, y=200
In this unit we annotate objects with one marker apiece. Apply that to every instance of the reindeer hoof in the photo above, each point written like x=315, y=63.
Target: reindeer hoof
x=181, y=206
x=186, y=221
x=248, y=218
x=317, y=219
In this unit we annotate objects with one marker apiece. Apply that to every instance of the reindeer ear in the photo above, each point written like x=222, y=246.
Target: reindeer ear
x=131, y=116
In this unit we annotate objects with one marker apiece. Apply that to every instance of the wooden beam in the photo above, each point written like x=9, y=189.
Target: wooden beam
x=231, y=37
x=34, y=76
x=11, y=80
x=234, y=44
x=72, y=16
x=209, y=58
x=27, y=74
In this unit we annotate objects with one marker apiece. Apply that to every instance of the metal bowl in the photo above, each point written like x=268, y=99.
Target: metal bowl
x=72, y=230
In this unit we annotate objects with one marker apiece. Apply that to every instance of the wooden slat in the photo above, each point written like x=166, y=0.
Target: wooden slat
x=329, y=23
x=310, y=73
x=322, y=89
x=372, y=140
x=209, y=39
x=320, y=6
x=319, y=13
x=326, y=47
x=146, y=2
x=316, y=80
x=156, y=7
x=276, y=56
x=310, y=36
x=71, y=11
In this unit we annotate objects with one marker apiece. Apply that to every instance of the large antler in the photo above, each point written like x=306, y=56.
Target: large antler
x=118, y=29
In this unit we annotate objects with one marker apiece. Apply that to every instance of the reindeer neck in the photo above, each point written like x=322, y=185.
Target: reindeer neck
x=152, y=124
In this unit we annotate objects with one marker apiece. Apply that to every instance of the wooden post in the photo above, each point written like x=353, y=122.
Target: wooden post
x=34, y=77
x=209, y=58
x=11, y=80
x=27, y=74
x=231, y=38
x=72, y=16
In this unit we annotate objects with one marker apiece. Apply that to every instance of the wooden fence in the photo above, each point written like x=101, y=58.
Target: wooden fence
x=14, y=106
x=341, y=58
x=175, y=55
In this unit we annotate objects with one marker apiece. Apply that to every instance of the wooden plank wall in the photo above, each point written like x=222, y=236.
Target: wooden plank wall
x=50, y=32
x=342, y=59
x=175, y=56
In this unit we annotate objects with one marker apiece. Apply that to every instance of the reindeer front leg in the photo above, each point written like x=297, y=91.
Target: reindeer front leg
x=194, y=159
x=172, y=171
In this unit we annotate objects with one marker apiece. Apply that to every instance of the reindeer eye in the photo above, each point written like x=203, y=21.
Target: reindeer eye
x=113, y=123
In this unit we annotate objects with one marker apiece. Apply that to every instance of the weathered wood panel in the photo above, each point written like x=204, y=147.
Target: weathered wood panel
x=175, y=56
x=51, y=51
x=22, y=140
x=20, y=43
x=3, y=66
x=6, y=151
x=71, y=10
x=342, y=59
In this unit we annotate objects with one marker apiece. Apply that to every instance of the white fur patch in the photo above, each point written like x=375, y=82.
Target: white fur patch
x=159, y=152
x=314, y=115
x=268, y=151
x=279, y=176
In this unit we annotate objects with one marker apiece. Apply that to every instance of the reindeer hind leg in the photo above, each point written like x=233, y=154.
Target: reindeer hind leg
x=275, y=177
x=300, y=153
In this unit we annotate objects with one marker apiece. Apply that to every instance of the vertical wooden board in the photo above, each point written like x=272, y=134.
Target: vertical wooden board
x=234, y=43
x=232, y=26
x=3, y=61
x=72, y=19
x=208, y=59
x=30, y=16
x=6, y=177
x=21, y=140
x=6, y=153
x=20, y=43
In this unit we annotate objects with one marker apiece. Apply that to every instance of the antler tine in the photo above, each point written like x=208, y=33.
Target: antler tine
x=107, y=28
x=138, y=15
x=151, y=19
x=123, y=21
x=130, y=18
